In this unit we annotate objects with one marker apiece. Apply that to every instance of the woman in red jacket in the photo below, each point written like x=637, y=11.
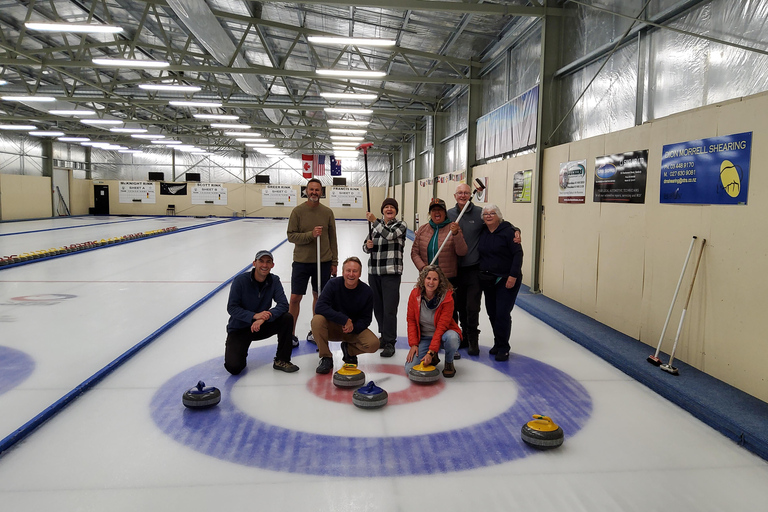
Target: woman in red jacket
x=430, y=321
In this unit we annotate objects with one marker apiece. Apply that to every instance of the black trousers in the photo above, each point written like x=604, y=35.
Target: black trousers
x=467, y=299
x=386, y=297
x=239, y=341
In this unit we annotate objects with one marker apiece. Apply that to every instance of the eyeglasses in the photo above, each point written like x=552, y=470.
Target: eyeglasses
x=489, y=214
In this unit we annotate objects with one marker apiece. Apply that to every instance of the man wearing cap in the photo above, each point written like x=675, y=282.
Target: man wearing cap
x=343, y=313
x=386, y=243
x=430, y=237
x=309, y=222
x=252, y=316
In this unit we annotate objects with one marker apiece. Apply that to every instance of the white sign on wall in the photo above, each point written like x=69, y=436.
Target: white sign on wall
x=347, y=197
x=278, y=195
x=136, y=192
x=209, y=193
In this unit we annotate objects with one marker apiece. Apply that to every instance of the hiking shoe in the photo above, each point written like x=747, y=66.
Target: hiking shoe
x=294, y=341
x=311, y=338
x=388, y=350
x=494, y=350
x=285, y=366
x=325, y=366
x=502, y=356
x=435, y=360
x=449, y=370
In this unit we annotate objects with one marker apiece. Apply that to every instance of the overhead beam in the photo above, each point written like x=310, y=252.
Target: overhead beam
x=429, y=5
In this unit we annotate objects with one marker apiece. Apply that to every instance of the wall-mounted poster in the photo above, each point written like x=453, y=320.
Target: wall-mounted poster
x=136, y=192
x=573, y=182
x=621, y=178
x=209, y=193
x=173, y=189
x=347, y=197
x=278, y=195
x=707, y=171
x=521, y=187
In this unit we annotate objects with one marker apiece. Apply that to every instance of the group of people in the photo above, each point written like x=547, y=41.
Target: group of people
x=462, y=253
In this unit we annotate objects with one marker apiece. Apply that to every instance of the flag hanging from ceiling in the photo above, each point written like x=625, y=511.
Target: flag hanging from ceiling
x=335, y=166
x=306, y=165
x=318, y=164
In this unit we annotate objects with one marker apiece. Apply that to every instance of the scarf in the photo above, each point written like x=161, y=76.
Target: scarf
x=433, y=246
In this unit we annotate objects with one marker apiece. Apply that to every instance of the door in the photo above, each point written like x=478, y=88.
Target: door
x=101, y=199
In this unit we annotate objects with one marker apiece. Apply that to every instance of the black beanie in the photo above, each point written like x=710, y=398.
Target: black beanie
x=391, y=202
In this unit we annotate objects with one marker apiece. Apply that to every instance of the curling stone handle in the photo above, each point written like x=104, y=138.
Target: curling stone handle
x=543, y=418
x=200, y=385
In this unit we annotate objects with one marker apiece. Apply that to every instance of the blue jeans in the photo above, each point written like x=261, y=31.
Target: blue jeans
x=450, y=342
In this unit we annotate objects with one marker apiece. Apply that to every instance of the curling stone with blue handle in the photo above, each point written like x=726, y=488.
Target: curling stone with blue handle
x=201, y=397
x=370, y=396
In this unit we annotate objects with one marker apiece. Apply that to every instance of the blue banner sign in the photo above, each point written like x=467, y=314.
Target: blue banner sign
x=707, y=171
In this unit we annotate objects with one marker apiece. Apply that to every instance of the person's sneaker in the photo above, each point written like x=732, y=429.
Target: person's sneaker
x=285, y=366
x=311, y=338
x=294, y=341
x=449, y=370
x=388, y=350
x=325, y=366
x=346, y=357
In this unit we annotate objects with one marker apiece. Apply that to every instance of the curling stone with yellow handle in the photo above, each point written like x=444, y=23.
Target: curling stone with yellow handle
x=542, y=432
x=349, y=376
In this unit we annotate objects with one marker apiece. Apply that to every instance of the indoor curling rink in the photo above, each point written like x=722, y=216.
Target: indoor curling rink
x=281, y=441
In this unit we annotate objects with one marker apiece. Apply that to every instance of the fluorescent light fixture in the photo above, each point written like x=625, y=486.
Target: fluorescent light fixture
x=355, y=41
x=344, y=145
x=219, y=117
x=101, y=121
x=29, y=97
x=344, y=122
x=342, y=137
x=348, y=130
x=72, y=112
x=346, y=154
x=242, y=134
x=73, y=139
x=166, y=142
x=128, y=130
x=180, y=103
x=3, y=82
x=131, y=63
x=348, y=96
x=147, y=136
x=46, y=133
x=350, y=73
x=170, y=87
x=332, y=110
x=260, y=145
x=20, y=127
x=75, y=28
x=201, y=153
x=231, y=126
x=134, y=151
x=90, y=143
x=251, y=139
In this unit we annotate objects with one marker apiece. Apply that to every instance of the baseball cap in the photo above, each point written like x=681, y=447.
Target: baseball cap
x=436, y=202
x=263, y=253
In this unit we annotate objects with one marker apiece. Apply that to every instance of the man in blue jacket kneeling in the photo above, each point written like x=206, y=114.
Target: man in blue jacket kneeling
x=252, y=317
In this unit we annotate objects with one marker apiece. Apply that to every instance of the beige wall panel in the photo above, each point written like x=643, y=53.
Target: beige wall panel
x=445, y=190
x=80, y=196
x=423, y=196
x=25, y=197
x=552, y=249
x=521, y=214
x=409, y=208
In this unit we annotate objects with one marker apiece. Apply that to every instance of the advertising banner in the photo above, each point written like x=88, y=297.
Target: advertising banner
x=573, y=182
x=173, y=189
x=521, y=187
x=621, y=178
x=707, y=171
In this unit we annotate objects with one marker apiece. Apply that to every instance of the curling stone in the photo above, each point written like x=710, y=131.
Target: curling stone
x=201, y=397
x=349, y=376
x=542, y=433
x=369, y=396
x=424, y=374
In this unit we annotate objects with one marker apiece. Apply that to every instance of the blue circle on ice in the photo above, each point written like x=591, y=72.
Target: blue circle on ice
x=15, y=367
x=228, y=433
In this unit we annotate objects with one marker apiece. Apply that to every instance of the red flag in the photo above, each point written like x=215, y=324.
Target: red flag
x=306, y=161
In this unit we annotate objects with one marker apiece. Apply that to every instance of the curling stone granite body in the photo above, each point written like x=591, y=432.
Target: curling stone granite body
x=370, y=396
x=349, y=376
x=542, y=433
x=424, y=374
x=201, y=397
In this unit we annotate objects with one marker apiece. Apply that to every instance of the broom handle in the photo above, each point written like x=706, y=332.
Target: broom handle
x=687, y=300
